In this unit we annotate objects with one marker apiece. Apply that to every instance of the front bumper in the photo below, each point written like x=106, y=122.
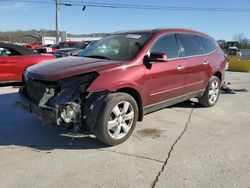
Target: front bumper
x=83, y=115
x=46, y=113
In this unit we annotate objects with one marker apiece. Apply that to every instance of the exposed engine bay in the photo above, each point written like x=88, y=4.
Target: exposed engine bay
x=65, y=102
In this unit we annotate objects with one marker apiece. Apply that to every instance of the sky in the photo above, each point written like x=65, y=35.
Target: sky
x=220, y=25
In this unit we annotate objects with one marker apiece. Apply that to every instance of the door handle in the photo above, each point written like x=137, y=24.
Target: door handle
x=205, y=63
x=180, y=68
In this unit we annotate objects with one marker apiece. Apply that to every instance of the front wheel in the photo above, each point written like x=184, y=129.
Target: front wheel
x=212, y=93
x=117, y=119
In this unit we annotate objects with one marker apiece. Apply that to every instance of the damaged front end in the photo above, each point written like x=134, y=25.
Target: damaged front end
x=65, y=102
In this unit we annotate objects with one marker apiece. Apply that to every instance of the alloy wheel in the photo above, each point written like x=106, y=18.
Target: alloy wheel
x=213, y=92
x=121, y=120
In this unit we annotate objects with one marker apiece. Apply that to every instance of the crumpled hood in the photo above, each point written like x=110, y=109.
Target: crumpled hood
x=66, y=67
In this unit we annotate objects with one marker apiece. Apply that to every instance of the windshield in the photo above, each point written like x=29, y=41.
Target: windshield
x=122, y=47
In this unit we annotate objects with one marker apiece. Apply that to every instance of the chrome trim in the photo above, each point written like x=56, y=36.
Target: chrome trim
x=179, y=58
x=180, y=68
x=157, y=93
x=194, y=83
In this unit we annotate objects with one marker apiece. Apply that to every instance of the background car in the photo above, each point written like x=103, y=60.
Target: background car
x=55, y=47
x=47, y=45
x=75, y=50
x=33, y=45
x=14, y=59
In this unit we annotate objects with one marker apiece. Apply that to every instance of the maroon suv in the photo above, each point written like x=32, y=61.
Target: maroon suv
x=122, y=77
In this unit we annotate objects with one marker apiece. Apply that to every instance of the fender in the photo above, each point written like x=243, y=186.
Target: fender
x=130, y=77
x=91, y=107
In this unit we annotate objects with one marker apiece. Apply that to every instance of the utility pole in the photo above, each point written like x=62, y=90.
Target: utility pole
x=57, y=21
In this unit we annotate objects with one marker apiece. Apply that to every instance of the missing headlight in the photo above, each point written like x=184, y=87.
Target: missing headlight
x=71, y=113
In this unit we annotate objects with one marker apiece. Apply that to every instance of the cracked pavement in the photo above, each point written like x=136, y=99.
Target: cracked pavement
x=172, y=148
x=181, y=146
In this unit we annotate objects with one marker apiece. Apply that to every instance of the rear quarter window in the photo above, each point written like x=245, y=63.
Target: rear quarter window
x=208, y=45
x=190, y=44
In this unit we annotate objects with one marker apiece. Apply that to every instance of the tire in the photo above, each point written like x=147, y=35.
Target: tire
x=117, y=119
x=211, y=94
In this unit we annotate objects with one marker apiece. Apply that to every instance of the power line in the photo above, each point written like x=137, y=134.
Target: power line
x=137, y=6
x=116, y=5
x=153, y=7
x=28, y=1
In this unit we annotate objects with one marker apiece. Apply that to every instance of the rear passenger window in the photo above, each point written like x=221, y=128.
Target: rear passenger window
x=207, y=44
x=190, y=44
x=166, y=44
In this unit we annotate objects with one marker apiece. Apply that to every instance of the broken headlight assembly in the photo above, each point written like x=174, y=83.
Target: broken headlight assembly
x=59, y=101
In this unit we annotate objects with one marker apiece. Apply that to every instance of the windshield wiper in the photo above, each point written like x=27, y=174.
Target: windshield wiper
x=98, y=57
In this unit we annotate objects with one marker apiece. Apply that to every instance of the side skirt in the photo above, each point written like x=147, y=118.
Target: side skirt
x=163, y=104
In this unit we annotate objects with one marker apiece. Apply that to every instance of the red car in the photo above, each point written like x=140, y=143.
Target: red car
x=33, y=45
x=122, y=77
x=14, y=59
x=52, y=49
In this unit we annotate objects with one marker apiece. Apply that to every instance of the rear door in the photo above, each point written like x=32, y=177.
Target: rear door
x=195, y=63
x=165, y=80
x=212, y=59
x=11, y=68
x=5, y=69
x=19, y=63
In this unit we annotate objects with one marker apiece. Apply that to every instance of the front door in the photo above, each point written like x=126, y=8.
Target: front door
x=165, y=80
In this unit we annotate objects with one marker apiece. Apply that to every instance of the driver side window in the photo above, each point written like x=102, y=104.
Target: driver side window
x=4, y=52
x=166, y=44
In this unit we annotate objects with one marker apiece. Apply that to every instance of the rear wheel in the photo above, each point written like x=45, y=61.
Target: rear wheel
x=117, y=119
x=212, y=93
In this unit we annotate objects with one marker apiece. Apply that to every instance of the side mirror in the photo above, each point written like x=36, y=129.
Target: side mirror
x=158, y=57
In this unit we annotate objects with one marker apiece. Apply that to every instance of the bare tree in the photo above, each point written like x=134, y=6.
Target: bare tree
x=242, y=39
